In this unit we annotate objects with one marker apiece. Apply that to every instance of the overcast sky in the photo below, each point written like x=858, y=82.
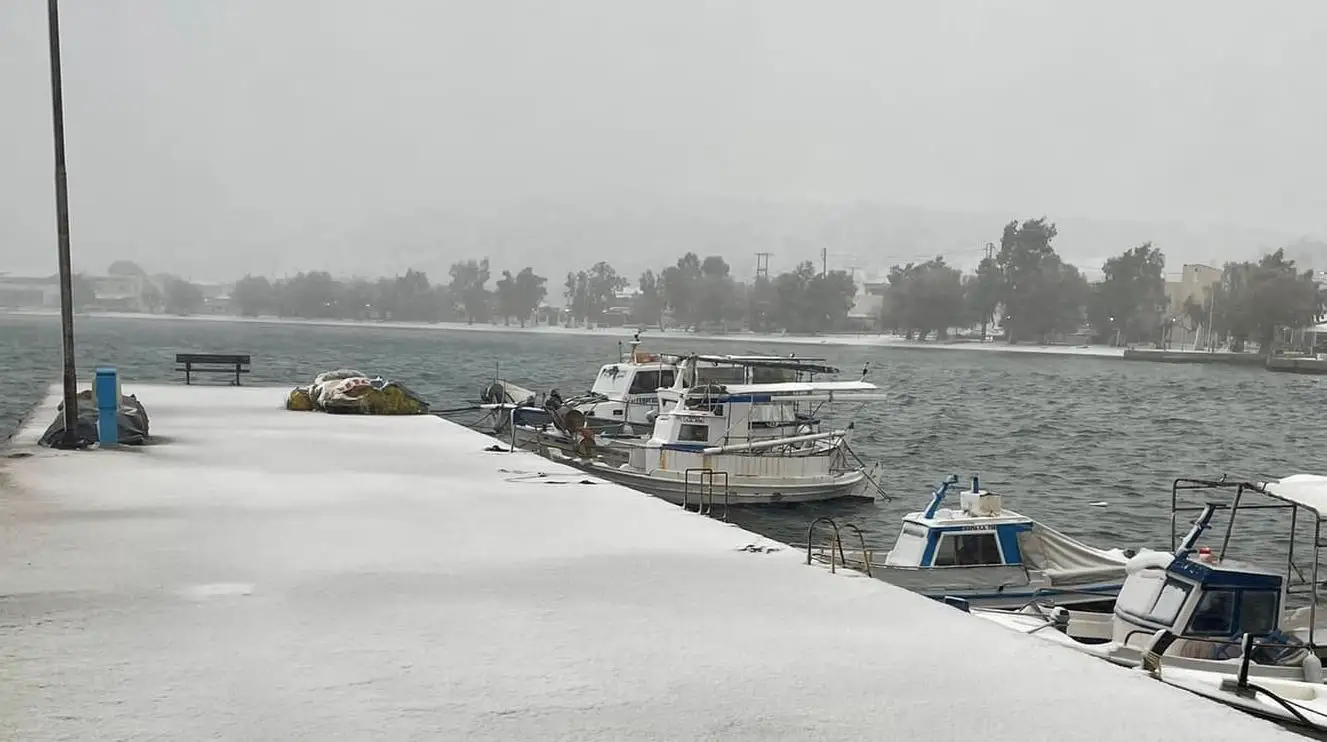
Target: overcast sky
x=213, y=137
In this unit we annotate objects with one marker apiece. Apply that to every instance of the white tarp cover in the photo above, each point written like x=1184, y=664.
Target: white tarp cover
x=1066, y=561
x=1306, y=490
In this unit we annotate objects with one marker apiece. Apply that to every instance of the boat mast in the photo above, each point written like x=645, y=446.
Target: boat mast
x=69, y=438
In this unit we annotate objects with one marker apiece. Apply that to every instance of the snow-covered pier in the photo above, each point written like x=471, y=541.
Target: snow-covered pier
x=262, y=574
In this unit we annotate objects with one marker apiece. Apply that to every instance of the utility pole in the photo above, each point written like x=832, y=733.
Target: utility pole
x=762, y=265
x=69, y=439
x=824, y=262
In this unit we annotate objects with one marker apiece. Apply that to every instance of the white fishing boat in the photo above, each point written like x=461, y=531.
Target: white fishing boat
x=736, y=430
x=986, y=555
x=1212, y=625
x=624, y=399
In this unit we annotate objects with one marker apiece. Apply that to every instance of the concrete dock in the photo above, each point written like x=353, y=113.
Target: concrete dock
x=1191, y=356
x=259, y=574
x=1298, y=365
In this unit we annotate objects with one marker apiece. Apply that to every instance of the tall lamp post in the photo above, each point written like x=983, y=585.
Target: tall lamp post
x=69, y=439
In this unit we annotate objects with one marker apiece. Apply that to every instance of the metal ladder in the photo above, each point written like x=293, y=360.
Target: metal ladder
x=705, y=486
x=836, y=542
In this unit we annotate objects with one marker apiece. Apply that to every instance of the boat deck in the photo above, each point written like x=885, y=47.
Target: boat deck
x=262, y=574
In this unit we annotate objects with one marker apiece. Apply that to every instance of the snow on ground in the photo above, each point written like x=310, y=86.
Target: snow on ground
x=263, y=574
x=672, y=337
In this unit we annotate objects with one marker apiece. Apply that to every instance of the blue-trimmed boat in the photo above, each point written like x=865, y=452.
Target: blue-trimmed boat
x=1192, y=611
x=984, y=555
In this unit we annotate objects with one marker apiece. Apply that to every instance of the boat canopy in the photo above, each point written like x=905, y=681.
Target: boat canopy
x=1308, y=491
x=792, y=388
x=811, y=365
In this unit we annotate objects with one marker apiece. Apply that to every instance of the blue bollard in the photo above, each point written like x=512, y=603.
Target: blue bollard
x=106, y=389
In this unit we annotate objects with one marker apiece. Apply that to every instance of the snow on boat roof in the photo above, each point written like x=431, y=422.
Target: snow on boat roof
x=801, y=387
x=1306, y=490
x=802, y=364
x=264, y=574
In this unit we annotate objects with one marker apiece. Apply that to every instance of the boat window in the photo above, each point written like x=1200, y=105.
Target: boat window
x=1257, y=611
x=694, y=433
x=967, y=550
x=720, y=375
x=1169, y=602
x=1215, y=614
x=646, y=382
x=765, y=375
x=1140, y=591
x=910, y=547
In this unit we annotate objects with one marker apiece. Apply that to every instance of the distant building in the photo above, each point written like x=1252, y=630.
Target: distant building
x=29, y=293
x=867, y=303
x=121, y=293
x=1195, y=280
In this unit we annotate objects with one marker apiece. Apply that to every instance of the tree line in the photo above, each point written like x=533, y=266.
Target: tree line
x=1038, y=297
x=1023, y=285
x=694, y=293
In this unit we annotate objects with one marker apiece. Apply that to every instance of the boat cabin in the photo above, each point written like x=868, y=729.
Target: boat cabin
x=980, y=533
x=1196, y=598
x=628, y=391
x=1194, y=594
x=633, y=380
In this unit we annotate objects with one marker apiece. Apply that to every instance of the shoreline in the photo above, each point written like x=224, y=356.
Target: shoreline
x=859, y=340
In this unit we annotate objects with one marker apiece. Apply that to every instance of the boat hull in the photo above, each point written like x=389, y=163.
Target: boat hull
x=675, y=487
x=1089, y=633
x=1003, y=587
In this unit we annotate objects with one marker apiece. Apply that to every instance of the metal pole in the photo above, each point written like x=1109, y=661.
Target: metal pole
x=70, y=437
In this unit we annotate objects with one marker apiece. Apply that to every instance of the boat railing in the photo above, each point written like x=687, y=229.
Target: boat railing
x=836, y=542
x=704, y=486
x=1278, y=502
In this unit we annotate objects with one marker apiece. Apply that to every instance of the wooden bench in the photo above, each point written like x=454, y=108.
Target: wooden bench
x=200, y=363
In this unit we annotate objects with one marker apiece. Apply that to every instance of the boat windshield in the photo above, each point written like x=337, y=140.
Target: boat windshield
x=720, y=375
x=1152, y=596
x=647, y=382
x=768, y=375
x=968, y=550
x=1234, y=612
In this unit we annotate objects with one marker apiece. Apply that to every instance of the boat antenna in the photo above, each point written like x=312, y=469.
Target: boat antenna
x=69, y=437
x=635, y=343
x=939, y=495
